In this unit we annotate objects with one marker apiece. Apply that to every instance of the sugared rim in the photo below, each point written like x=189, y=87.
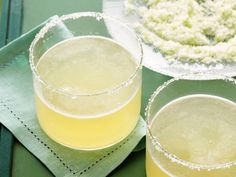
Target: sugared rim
x=54, y=21
x=155, y=142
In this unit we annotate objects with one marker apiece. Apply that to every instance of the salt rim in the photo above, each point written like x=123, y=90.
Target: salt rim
x=54, y=21
x=155, y=142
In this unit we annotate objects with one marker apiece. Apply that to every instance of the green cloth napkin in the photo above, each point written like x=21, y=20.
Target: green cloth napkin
x=18, y=115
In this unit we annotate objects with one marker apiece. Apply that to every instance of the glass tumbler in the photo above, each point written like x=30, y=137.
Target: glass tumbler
x=192, y=128
x=87, y=82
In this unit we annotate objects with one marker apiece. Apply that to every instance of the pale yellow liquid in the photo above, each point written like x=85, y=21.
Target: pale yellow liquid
x=200, y=129
x=88, y=65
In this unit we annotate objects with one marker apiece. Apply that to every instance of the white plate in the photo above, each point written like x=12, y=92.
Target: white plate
x=154, y=60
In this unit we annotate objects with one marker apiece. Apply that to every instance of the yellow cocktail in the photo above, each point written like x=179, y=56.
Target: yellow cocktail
x=192, y=136
x=88, y=93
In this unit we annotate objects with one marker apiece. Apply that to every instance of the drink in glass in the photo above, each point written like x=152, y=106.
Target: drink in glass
x=87, y=87
x=192, y=133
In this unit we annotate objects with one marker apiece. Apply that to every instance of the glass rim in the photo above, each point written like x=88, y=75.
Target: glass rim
x=155, y=142
x=73, y=16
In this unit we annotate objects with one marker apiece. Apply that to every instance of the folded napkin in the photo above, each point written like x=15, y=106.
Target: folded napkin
x=18, y=115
